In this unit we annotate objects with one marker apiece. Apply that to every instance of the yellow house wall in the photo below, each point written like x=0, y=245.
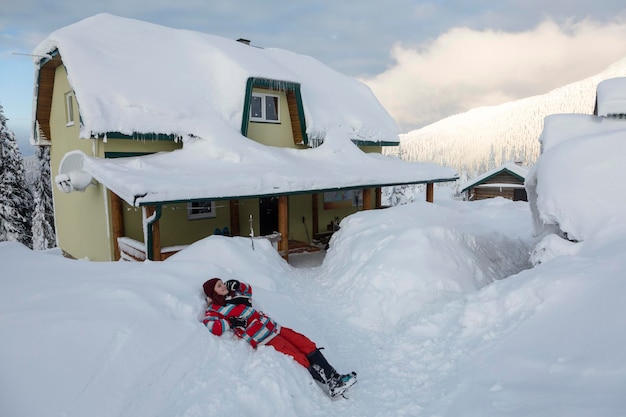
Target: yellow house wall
x=273, y=134
x=176, y=229
x=300, y=206
x=79, y=216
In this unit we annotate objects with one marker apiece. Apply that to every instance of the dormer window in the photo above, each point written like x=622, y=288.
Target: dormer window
x=69, y=108
x=264, y=108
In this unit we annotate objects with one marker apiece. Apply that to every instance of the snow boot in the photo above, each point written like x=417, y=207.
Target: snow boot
x=336, y=384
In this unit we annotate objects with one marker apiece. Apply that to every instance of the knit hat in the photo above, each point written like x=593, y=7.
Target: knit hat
x=209, y=290
x=209, y=287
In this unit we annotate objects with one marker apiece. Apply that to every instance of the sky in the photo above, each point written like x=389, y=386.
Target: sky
x=423, y=60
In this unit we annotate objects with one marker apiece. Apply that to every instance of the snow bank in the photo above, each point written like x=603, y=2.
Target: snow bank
x=428, y=251
x=574, y=188
x=121, y=339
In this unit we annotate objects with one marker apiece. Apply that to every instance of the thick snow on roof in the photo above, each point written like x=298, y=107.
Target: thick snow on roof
x=131, y=76
x=612, y=97
x=561, y=127
x=514, y=168
x=261, y=170
x=577, y=184
x=136, y=77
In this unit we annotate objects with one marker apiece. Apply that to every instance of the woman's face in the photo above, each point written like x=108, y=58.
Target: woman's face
x=220, y=288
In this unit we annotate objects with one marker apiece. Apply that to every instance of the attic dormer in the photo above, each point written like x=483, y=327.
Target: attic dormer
x=261, y=89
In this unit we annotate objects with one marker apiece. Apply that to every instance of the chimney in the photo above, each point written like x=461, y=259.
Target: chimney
x=244, y=41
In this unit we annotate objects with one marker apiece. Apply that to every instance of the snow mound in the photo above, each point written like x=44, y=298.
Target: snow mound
x=415, y=264
x=574, y=188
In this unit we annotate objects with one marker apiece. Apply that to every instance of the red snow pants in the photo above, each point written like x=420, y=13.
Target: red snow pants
x=293, y=344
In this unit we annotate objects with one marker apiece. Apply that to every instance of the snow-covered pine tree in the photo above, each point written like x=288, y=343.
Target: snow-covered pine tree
x=44, y=236
x=16, y=202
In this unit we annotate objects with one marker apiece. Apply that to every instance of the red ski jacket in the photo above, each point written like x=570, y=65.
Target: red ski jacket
x=261, y=329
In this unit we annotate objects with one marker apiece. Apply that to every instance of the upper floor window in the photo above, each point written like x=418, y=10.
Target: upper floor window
x=264, y=108
x=69, y=108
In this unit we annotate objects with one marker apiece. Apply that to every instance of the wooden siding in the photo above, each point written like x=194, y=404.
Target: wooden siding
x=45, y=86
x=496, y=186
x=481, y=193
x=296, y=125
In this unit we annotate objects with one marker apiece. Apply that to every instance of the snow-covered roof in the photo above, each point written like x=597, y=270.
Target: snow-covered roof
x=508, y=166
x=185, y=174
x=558, y=128
x=135, y=77
x=611, y=97
x=131, y=77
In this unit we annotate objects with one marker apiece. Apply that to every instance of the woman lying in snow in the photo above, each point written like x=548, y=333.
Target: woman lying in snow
x=229, y=307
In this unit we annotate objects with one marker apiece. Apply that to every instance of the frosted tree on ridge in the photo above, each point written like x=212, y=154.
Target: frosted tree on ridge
x=16, y=202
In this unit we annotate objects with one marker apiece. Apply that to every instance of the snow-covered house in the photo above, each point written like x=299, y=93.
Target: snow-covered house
x=610, y=98
x=172, y=135
x=505, y=181
x=580, y=172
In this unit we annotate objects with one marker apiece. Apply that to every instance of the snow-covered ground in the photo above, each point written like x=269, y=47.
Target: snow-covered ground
x=436, y=306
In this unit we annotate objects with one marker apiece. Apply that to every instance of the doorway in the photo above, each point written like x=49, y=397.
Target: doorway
x=268, y=215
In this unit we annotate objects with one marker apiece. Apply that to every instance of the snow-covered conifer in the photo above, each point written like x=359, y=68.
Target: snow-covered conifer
x=15, y=200
x=43, y=217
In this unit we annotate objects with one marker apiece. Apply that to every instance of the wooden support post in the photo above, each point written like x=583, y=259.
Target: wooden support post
x=117, y=222
x=283, y=225
x=156, y=234
x=430, y=192
x=379, y=197
x=316, y=215
x=367, y=199
x=234, y=218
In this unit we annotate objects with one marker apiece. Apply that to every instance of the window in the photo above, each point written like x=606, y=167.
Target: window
x=69, y=108
x=264, y=108
x=201, y=210
x=343, y=198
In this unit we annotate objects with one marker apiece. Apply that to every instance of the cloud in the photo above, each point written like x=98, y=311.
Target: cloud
x=465, y=68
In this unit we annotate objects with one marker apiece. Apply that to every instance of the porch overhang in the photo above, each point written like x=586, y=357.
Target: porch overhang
x=145, y=200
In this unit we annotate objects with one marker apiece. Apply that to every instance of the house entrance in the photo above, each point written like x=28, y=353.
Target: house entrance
x=268, y=215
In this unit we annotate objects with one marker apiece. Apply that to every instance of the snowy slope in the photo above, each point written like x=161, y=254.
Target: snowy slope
x=484, y=138
x=409, y=297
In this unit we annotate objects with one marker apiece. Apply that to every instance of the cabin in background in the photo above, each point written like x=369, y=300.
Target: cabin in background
x=506, y=181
